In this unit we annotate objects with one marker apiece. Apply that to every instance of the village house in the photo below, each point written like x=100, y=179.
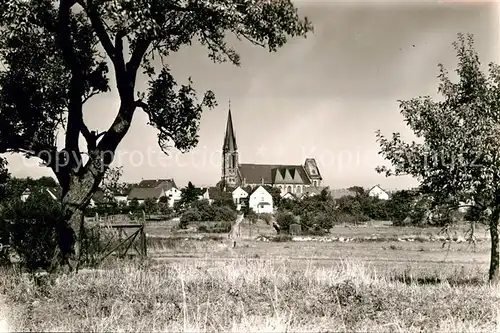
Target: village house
x=154, y=189
x=239, y=196
x=295, y=179
x=377, y=192
x=261, y=201
x=205, y=195
x=289, y=196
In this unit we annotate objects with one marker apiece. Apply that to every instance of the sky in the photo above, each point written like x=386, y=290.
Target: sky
x=323, y=96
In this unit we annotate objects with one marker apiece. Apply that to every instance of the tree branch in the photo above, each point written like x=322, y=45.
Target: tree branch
x=137, y=55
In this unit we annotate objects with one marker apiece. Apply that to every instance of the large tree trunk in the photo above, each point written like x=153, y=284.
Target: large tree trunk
x=75, y=200
x=494, y=275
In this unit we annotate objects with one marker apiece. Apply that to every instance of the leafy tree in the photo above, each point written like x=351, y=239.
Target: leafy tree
x=275, y=194
x=110, y=183
x=458, y=157
x=56, y=56
x=190, y=194
x=359, y=190
x=150, y=206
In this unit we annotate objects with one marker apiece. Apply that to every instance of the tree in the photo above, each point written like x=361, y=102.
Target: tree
x=458, y=158
x=189, y=194
x=56, y=56
x=359, y=190
x=275, y=194
x=110, y=183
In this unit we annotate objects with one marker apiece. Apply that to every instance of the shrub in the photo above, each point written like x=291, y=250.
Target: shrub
x=37, y=229
x=190, y=215
x=284, y=219
x=223, y=213
x=323, y=220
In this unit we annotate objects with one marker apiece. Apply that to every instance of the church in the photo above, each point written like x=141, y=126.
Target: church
x=295, y=179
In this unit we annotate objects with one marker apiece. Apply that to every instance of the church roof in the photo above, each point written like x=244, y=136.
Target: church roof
x=272, y=174
x=230, y=138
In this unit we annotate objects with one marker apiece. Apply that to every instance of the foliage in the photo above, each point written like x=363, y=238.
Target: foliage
x=189, y=194
x=55, y=57
x=36, y=230
x=202, y=211
x=150, y=206
x=275, y=194
x=284, y=219
x=457, y=159
x=110, y=183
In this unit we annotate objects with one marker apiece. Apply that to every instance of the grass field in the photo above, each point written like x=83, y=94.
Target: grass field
x=192, y=283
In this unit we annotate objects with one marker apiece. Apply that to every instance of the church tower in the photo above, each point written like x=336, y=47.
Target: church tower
x=229, y=154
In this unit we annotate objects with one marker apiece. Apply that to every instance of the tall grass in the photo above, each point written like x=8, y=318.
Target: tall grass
x=248, y=296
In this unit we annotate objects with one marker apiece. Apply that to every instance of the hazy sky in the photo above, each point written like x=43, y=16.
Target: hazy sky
x=320, y=97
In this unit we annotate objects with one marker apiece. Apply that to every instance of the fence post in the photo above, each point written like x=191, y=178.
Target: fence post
x=144, y=246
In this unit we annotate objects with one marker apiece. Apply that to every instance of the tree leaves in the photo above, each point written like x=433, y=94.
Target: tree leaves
x=458, y=158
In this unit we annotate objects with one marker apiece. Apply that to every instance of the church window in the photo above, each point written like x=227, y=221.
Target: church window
x=289, y=189
x=234, y=161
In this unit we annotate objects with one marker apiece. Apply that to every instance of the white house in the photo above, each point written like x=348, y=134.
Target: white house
x=173, y=194
x=377, y=192
x=261, y=201
x=205, y=195
x=239, y=194
x=289, y=195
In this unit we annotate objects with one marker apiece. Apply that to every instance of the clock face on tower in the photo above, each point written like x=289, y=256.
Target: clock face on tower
x=312, y=169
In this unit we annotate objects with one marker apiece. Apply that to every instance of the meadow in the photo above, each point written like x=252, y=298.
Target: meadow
x=377, y=278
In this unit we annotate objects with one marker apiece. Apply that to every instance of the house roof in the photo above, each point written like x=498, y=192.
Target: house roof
x=271, y=173
x=240, y=188
x=165, y=184
x=378, y=187
x=229, y=138
x=289, y=194
x=143, y=193
x=256, y=188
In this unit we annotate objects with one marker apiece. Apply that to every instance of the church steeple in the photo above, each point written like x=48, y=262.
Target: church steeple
x=229, y=154
x=230, y=138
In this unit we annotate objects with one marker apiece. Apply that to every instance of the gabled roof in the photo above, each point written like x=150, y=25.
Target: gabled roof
x=229, y=138
x=256, y=188
x=378, y=187
x=254, y=173
x=165, y=184
x=289, y=194
x=143, y=193
x=240, y=188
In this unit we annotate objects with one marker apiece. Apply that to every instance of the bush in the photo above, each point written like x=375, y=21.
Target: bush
x=284, y=219
x=190, y=215
x=223, y=213
x=323, y=220
x=36, y=230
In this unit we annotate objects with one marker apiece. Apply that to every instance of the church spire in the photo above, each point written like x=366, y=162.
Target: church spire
x=230, y=138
